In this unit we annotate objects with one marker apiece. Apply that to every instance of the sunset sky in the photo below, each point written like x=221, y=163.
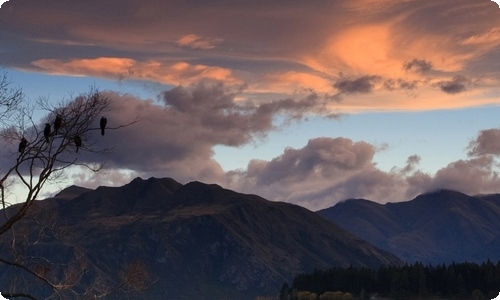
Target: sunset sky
x=309, y=102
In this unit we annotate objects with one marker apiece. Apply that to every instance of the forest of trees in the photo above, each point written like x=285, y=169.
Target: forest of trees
x=454, y=281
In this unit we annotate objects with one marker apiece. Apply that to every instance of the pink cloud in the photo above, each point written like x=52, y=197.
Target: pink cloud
x=272, y=48
x=127, y=68
x=196, y=42
x=486, y=143
x=329, y=170
x=176, y=136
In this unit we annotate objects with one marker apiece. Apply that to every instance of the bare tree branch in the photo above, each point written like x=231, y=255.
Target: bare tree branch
x=46, y=148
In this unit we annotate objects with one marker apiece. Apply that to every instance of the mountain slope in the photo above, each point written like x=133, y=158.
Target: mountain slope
x=201, y=241
x=439, y=227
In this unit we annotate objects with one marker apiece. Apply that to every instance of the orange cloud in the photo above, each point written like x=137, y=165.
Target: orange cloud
x=126, y=68
x=490, y=37
x=382, y=49
x=291, y=81
x=197, y=42
x=364, y=49
x=422, y=100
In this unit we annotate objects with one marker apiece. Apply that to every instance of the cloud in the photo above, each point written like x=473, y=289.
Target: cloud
x=236, y=66
x=105, y=177
x=175, y=137
x=411, y=164
x=127, y=68
x=271, y=48
x=401, y=84
x=196, y=42
x=472, y=176
x=362, y=85
x=329, y=170
x=457, y=84
x=322, y=157
x=177, y=134
x=417, y=65
x=490, y=38
x=323, y=172
x=359, y=49
x=371, y=83
x=286, y=82
x=486, y=143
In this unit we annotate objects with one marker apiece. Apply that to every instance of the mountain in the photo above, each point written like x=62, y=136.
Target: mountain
x=71, y=192
x=192, y=241
x=439, y=227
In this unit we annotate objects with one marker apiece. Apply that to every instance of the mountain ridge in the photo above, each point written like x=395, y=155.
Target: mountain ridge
x=443, y=226
x=226, y=244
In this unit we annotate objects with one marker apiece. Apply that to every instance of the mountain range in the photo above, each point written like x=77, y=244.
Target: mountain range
x=439, y=227
x=174, y=241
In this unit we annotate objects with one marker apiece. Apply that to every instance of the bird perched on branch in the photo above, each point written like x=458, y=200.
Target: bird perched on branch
x=78, y=142
x=22, y=145
x=103, y=124
x=46, y=132
x=57, y=123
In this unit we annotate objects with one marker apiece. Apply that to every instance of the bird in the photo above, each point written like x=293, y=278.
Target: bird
x=57, y=123
x=103, y=123
x=78, y=142
x=22, y=145
x=46, y=132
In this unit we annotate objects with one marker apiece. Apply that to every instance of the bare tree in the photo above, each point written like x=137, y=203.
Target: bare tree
x=41, y=151
x=10, y=99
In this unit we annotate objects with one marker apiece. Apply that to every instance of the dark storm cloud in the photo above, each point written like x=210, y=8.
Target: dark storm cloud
x=213, y=106
x=362, y=85
x=400, y=84
x=418, y=65
x=457, y=85
x=296, y=109
x=367, y=84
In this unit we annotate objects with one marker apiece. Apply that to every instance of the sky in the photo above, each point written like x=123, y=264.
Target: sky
x=308, y=102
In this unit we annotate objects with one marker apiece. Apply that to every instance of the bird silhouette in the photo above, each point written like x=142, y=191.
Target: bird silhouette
x=78, y=142
x=22, y=145
x=46, y=132
x=57, y=123
x=103, y=124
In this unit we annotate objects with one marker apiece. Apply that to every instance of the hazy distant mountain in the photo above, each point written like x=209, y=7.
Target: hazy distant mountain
x=438, y=227
x=198, y=241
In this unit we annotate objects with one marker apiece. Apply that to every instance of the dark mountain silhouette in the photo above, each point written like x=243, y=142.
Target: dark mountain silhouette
x=440, y=227
x=71, y=192
x=196, y=241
